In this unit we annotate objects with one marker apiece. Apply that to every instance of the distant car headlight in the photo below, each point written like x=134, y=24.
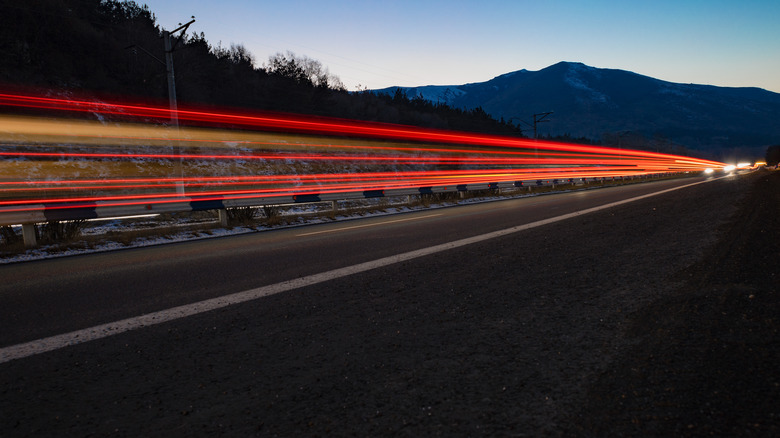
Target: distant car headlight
x=708, y=171
x=729, y=168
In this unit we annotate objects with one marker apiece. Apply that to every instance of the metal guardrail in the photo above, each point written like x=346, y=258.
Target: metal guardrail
x=40, y=213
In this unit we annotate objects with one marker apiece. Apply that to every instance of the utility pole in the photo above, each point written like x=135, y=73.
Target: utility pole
x=169, y=45
x=171, y=79
x=169, y=48
x=540, y=118
x=620, y=135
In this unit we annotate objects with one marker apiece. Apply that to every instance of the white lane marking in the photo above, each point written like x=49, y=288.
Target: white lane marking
x=368, y=225
x=39, y=346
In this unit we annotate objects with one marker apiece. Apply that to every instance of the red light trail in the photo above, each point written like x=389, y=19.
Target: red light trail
x=67, y=163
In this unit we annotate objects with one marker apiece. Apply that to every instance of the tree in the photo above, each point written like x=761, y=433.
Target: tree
x=302, y=69
x=773, y=155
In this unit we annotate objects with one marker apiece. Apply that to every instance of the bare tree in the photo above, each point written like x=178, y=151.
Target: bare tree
x=302, y=69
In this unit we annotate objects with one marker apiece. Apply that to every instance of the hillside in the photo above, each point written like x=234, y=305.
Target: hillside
x=610, y=105
x=108, y=48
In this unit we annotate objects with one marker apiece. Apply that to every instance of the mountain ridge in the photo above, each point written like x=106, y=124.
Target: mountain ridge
x=600, y=103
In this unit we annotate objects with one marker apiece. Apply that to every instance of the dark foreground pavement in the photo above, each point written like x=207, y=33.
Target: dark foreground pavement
x=657, y=317
x=707, y=357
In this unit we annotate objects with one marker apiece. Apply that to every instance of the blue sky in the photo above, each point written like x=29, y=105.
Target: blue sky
x=378, y=44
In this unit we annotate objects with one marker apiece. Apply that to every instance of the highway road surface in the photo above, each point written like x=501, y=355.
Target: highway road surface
x=485, y=319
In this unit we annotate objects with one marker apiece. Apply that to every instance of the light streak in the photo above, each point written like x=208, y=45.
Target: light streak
x=303, y=124
x=68, y=163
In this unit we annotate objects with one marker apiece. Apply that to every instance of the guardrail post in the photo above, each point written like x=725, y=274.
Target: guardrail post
x=335, y=206
x=409, y=199
x=28, y=234
x=223, y=217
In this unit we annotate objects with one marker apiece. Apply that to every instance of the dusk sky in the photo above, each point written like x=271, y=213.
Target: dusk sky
x=378, y=44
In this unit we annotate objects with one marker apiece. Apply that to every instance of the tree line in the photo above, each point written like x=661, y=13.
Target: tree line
x=114, y=47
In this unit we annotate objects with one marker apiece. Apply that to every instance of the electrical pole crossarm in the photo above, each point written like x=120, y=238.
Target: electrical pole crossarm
x=541, y=116
x=183, y=29
x=184, y=26
x=538, y=118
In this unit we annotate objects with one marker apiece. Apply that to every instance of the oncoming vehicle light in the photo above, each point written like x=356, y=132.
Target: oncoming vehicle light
x=708, y=170
x=729, y=168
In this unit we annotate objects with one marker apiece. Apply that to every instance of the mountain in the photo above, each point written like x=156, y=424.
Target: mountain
x=607, y=104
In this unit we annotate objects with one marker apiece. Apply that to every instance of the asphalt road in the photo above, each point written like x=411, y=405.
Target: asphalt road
x=501, y=337
x=48, y=297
